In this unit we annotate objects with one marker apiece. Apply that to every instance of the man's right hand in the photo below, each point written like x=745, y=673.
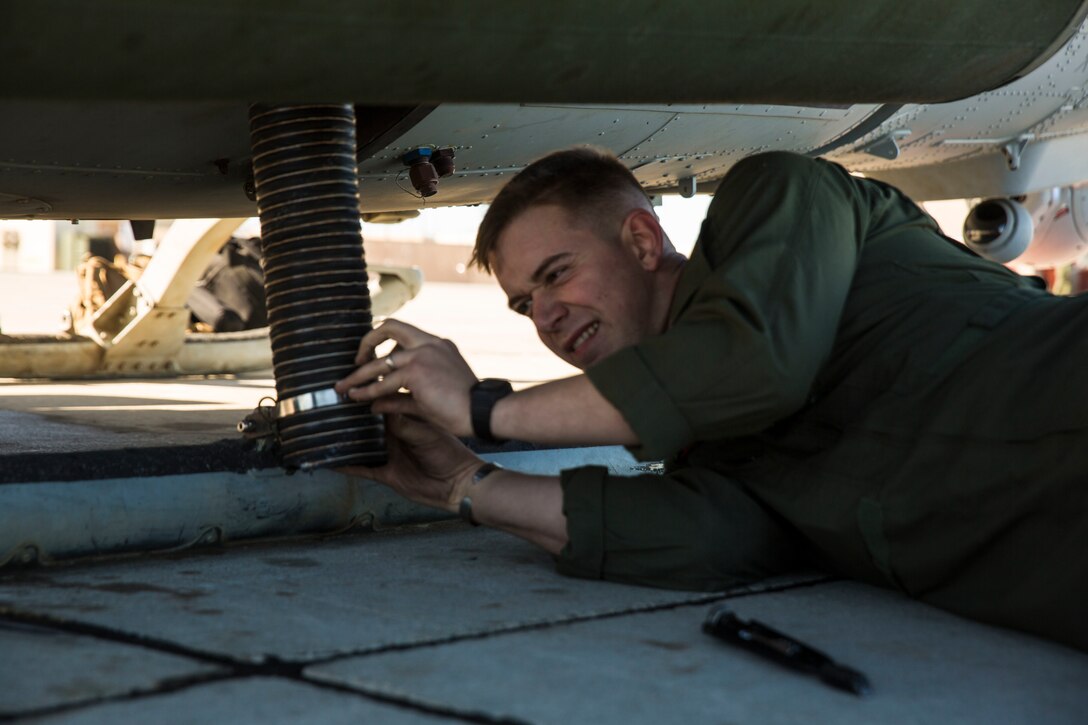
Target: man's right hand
x=437, y=379
x=439, y=383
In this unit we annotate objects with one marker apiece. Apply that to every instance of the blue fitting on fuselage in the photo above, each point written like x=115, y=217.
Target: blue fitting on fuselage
x=423, y=153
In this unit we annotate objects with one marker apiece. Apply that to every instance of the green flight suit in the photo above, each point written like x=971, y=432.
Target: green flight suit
x=840, y=380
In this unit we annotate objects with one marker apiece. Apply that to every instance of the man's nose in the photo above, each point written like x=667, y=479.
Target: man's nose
x=547, y=312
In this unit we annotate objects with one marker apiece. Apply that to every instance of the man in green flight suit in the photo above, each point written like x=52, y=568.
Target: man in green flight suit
x=828, y=378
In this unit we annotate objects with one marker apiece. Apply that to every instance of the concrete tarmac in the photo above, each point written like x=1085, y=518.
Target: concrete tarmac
x=361, y=613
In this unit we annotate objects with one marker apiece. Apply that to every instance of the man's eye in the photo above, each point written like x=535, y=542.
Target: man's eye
x=525, y=307
x=555, y=274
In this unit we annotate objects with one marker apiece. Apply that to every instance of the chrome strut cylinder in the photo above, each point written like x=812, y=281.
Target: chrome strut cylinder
x=315, y=280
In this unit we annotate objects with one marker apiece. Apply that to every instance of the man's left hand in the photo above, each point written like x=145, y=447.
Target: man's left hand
x=430, y=368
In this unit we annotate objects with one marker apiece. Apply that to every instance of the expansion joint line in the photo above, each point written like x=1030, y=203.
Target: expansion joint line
x=293, y=670
x=231, y=669
x=697, y=601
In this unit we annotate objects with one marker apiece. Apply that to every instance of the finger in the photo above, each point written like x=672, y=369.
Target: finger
x=411, y=431
x=379, y=368
x=401, y=426
x=361, y=376
x=388, y=385
x=405, y=335
x=394, y=426
x=370, y=341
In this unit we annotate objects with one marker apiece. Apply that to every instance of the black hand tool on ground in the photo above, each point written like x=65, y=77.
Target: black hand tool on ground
x=768, y=642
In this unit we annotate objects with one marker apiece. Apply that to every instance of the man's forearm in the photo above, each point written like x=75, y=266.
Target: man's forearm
x=530, y=507
x=563, y=412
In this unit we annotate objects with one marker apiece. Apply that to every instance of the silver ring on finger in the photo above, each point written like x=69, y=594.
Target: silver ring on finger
x=389, y=362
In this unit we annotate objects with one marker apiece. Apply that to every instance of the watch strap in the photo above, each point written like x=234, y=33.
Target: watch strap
x=464, y=510
x=482, y=399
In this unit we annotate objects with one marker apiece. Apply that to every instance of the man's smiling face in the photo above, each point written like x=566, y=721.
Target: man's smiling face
x=588, y=296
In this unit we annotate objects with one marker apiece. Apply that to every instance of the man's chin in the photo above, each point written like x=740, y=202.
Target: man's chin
x=571, y=360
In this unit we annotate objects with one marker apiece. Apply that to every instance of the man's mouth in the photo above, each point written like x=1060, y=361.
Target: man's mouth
x=586, y=334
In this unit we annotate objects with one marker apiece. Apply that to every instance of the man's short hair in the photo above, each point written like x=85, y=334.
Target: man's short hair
x=590, y=184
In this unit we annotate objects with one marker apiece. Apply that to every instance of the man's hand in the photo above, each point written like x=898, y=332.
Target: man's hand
x=426, y=464
x=430, y=368
x=439, y=381
x=431, y=467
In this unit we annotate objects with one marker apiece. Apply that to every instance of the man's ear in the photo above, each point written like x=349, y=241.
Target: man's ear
x=643, y=236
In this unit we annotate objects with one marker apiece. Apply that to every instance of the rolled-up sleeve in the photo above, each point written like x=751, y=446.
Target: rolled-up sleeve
x=755, y=312
x=688, y=529
x=583, y=507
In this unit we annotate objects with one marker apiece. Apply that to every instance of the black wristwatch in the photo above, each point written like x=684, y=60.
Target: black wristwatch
x=482, y=399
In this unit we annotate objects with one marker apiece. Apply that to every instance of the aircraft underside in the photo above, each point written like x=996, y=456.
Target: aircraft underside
x=140, y=123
